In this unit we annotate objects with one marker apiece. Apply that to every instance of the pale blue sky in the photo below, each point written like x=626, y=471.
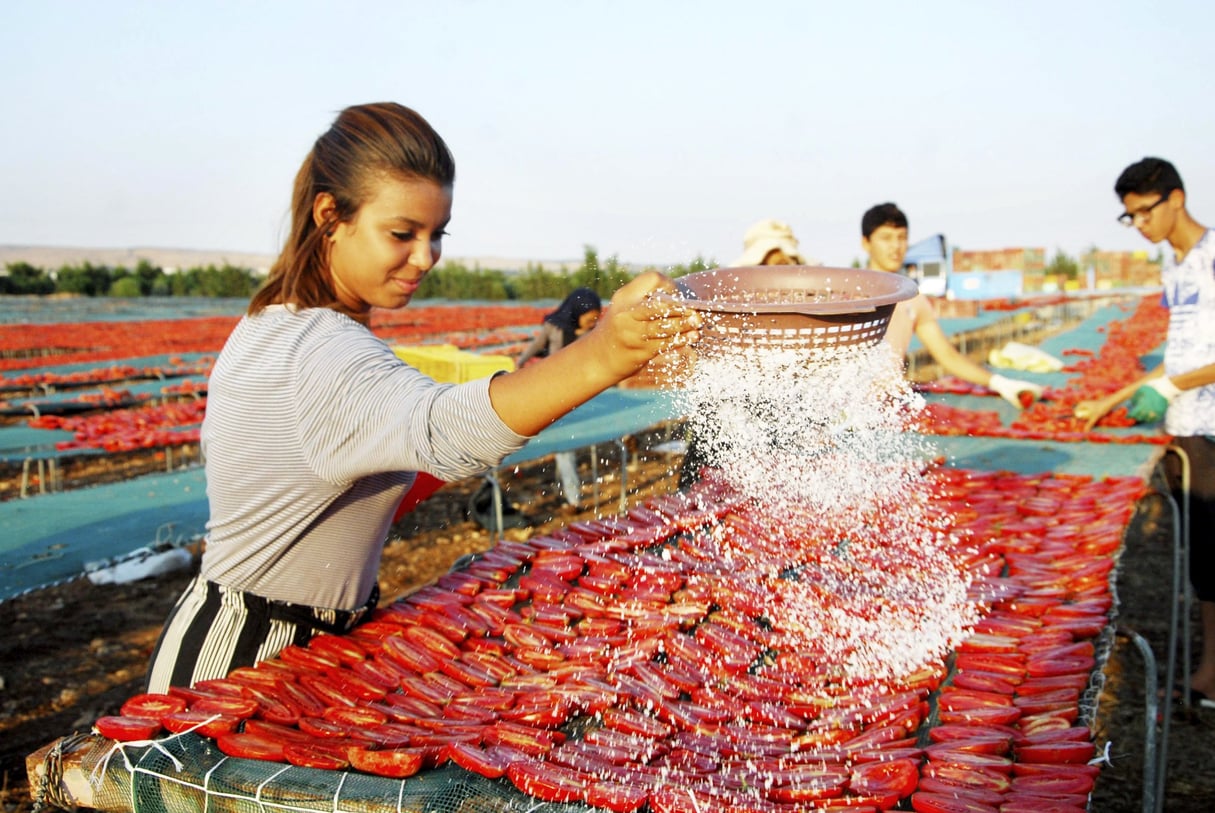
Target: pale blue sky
x=655, y=131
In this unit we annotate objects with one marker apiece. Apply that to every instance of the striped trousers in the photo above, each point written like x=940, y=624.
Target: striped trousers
x=214, y=629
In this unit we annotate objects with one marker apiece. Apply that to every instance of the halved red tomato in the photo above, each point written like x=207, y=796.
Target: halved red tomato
x=896, y=776
x=240, y=707
x=968, y=774
x=549, y=783
x=925, y=802
x=533, y=741
x=310, y=756
x=984, y=681
x=345, y=650
x=275, y=731
x=297, y=696
x=1031, y=803
x=204, y=723
x=351, y=685
x=1053, y=752
x=122, y=728
x=617, y=796
x=932, y=784
x=358, y=716
x=977, y=745
x=990, y=715
x=488, y=762
x=392, y=762
x=308, y=659
x=247, y=745
x=378, y=672
x=1053, y=784
x=152, y=705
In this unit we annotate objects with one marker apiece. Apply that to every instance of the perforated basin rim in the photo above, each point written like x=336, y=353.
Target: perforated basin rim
x=791, y=306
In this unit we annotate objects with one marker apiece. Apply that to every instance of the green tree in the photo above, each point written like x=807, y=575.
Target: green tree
x=26, y=279
x=86, y=279
x=127, y=286
x=1062, y=266
x=602, y=278
x=150, y=277
x=536, y=282
x=698, y=264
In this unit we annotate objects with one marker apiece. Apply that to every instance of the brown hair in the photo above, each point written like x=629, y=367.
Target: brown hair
x=365, y=144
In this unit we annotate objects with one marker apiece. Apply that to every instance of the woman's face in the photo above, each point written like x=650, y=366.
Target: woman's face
x=587, y=320
x=378, y=258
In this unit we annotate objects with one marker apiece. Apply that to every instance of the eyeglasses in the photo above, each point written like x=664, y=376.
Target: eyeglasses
x=1128, y=218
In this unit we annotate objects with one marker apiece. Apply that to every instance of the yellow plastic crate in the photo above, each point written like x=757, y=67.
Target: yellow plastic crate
x=471, y=366
x=430, y=359
x=449, y=364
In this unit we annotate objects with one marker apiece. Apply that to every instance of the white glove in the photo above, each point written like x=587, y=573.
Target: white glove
x=1010, y=389
x=1165, y=386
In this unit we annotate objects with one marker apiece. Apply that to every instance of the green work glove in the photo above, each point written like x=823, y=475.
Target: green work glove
x=1151, y=401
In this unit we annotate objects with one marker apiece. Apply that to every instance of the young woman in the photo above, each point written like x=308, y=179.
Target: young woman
x=314, y=429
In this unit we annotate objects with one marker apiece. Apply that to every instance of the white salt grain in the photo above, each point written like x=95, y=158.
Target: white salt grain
x=820, y=441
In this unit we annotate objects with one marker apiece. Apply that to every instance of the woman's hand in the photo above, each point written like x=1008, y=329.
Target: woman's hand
x=645, y=317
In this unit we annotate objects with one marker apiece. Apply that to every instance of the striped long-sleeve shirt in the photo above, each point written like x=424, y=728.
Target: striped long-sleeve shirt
x=313, y=431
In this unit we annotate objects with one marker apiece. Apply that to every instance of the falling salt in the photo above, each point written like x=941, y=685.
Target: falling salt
x=820, y=440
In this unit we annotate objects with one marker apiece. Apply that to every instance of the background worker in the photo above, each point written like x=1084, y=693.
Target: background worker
x=576, y=314
x=884, y=240
x=1182, y=389
x=770, y=242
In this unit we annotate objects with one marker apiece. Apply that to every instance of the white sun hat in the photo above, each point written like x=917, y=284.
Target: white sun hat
x=766, y=236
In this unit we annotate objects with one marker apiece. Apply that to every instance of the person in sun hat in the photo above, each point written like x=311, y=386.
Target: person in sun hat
x=770, y=242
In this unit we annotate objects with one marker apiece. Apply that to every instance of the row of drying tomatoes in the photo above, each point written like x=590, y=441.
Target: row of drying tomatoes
x=50, y=380
x=27, y=346
x=1097, y=374
x=143, y=427
x=619, y=630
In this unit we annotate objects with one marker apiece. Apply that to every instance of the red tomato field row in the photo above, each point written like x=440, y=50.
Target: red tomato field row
x=1050, y=418
x=124, y=430
x=176, y=368
x=644, y=662
x=24, y=346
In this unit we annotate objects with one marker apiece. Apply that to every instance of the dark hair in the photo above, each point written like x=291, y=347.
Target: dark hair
x=1148, y=176
x=565, y=318
x=884, y=214
x=365, y=144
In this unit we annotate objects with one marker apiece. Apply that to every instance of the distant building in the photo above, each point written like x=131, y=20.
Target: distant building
x=1000, y=272
x=1121, y=269
x=1099, y=270
x=1029, y=261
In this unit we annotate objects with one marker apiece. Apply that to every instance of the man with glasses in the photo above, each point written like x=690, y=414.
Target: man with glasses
x=884, y=239
x=1182, y=389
